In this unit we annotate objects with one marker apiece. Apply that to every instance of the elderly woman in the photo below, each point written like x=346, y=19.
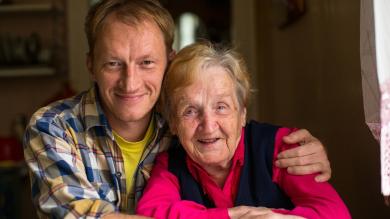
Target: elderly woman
x=220, y=165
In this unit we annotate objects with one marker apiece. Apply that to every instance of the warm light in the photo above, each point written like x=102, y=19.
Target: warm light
x=186, y=30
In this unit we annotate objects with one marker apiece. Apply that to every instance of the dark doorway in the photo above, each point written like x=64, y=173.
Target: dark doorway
x=200, y=19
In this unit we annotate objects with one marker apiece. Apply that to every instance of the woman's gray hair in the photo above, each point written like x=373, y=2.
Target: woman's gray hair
x=186, y=66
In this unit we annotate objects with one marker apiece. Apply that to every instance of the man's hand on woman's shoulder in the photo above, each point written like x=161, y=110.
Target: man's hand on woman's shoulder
x=310, y=157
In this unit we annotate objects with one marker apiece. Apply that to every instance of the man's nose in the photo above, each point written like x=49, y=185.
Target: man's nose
x=130, y=79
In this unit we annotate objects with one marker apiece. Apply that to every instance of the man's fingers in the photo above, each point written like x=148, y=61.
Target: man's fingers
x=304, y=170
x=297, y=161
x=310, y=157
x=303, y=150
x=313, y=168
x=306, y=165
x=323, y=177
x=299, y=136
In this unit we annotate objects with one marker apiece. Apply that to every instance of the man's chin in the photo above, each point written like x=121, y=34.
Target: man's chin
x=134, y=117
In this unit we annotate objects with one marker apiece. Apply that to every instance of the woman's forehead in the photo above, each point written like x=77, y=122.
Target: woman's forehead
x=217, y=85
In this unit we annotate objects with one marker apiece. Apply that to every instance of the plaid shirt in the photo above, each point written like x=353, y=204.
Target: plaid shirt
x=76, y=167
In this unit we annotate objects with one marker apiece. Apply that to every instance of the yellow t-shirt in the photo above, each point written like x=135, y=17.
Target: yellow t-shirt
x=131, y=153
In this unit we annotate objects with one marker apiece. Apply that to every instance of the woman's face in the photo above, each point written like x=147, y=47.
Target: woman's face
x=208, y=118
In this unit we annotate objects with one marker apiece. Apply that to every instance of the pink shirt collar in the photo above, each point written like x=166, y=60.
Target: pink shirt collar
x=222, y=197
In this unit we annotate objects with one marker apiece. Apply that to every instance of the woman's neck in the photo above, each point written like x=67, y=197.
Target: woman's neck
x=219, y=174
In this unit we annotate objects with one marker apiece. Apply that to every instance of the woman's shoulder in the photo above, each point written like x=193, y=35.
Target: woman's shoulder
x=258, y=131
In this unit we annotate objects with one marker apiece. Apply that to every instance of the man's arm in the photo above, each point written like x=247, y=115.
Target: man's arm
x=310, y=199
x=60, y=187
x=123, y=216
x=308, y=158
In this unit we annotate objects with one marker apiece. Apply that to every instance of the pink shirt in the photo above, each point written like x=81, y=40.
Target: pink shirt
x=161, y=198
x=221, y=197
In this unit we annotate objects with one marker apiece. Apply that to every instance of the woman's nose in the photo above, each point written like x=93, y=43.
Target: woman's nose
x=208, y=123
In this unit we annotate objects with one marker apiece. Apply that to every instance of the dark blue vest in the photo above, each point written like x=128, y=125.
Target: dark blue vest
x=255, y=187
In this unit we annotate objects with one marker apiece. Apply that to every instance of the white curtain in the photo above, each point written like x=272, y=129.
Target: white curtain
x=375, y=69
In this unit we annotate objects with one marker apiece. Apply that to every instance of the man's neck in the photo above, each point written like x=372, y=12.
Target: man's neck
x=132, y=131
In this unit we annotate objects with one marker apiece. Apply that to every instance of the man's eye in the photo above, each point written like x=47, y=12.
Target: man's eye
x=114, y=64
x=147, y=63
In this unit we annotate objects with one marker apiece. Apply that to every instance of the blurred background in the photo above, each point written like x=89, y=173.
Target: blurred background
x=303, y=57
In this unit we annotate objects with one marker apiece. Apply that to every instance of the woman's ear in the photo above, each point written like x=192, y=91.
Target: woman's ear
x=243, y=117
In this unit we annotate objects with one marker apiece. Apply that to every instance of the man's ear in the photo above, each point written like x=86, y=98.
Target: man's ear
x=89, y=62
x=171, y=55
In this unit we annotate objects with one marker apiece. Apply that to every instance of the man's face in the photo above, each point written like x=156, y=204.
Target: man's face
x=128, y=65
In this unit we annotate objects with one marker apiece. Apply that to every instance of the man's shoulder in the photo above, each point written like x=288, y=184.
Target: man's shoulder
x=163, y=139
x=59, y=111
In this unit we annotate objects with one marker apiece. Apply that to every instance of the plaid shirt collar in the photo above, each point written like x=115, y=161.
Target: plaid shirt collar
x=93, y=116
x=93, y=113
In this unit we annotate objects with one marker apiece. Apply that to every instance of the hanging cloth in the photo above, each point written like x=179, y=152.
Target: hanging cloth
x=375, y=70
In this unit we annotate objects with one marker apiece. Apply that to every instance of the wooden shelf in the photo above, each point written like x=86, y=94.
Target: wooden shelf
x=26, y=71
x=25, y=8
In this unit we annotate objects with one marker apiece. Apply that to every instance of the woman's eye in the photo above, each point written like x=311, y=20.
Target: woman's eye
x=190, y=112
x=222, y=108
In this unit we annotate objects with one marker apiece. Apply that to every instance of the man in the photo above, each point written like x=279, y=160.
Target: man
x=90, y=155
